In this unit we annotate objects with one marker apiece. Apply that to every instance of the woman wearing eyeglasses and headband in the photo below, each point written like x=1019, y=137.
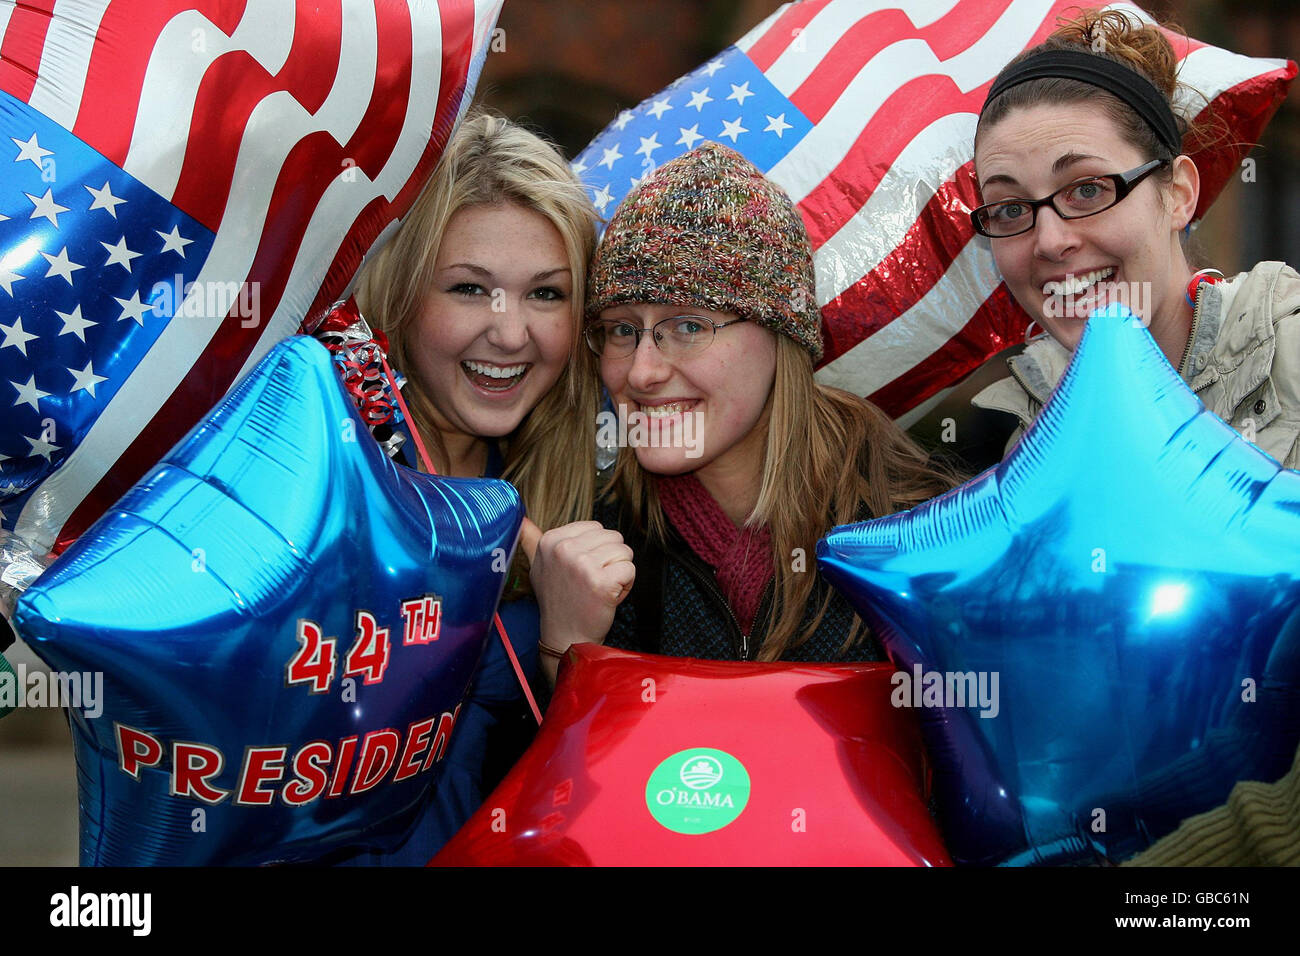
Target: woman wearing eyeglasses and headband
x=1087, y=193
x=702, y=313
x=1079, y=159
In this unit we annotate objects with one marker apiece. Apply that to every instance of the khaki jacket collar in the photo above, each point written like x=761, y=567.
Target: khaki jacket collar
x=1221, y=342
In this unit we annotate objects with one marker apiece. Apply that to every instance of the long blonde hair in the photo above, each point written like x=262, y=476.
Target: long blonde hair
x=550, y=457
x=830, y=458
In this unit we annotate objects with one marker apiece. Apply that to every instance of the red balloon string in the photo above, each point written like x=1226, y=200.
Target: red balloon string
x=428, y=464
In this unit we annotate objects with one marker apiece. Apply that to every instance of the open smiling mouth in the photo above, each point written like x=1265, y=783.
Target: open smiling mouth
x=1076, y=285
x=664, y=411
x=495, y=378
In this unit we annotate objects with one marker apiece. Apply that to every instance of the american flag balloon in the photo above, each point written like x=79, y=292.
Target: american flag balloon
x=865, y=113
x=184, y=181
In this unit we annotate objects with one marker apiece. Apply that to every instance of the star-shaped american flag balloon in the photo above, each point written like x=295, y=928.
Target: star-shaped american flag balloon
x=180, y=187
x=89, y=288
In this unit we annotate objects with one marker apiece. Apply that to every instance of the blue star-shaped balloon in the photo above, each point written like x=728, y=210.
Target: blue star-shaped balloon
x=285, y=623
x=1103, y=632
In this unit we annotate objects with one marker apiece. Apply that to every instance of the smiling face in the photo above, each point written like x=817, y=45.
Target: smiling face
x=1061, y=269
x=726, y=387
x=495, y=330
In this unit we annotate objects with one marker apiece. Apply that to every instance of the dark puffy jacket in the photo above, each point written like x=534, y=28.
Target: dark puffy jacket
x=676, y=608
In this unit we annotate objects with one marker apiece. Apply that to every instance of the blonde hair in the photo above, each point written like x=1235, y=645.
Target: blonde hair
x=830, y=458
x=550, y=457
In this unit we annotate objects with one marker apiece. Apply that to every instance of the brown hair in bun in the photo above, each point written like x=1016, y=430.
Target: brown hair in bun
x=1122, y=38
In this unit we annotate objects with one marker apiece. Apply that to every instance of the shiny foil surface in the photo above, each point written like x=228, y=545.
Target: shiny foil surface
x=832, y=774
x=1130, y=576
x=285, y=623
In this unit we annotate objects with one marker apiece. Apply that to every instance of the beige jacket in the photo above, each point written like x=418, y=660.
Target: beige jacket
x=1242, y=360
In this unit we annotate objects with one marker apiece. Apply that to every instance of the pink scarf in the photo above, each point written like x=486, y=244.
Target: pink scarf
x=741, y=557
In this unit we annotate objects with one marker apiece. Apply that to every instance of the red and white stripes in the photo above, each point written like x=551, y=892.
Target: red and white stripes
x=298, y=131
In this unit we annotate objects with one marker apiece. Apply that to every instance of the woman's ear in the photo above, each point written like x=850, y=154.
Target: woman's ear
x=1182, y=192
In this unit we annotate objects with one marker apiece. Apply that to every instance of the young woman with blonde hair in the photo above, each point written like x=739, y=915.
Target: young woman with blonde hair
x=480, y=296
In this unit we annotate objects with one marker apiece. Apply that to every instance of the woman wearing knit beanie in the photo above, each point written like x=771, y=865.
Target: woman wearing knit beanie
x=702, y=310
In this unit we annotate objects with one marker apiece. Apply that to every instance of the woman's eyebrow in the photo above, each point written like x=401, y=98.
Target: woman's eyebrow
x=1069, y=159
x=477, y=270
x=625, y=315
x=487, y=273
x=1000, y=178
x=1063, y=162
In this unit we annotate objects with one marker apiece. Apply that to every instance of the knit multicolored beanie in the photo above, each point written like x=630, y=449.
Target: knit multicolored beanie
x=708, y=230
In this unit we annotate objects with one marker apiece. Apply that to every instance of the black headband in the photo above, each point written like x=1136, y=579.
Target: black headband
x=1128, y=84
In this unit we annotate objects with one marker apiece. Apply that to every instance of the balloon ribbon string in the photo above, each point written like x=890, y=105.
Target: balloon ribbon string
x=406, y=413
x=519, y=671
x=428, y=465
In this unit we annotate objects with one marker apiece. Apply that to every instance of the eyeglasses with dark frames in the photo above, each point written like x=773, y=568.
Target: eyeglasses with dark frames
x=676, y=335
x=1077, y=200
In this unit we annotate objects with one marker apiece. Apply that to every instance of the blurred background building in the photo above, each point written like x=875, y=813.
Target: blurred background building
x=567, y=68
